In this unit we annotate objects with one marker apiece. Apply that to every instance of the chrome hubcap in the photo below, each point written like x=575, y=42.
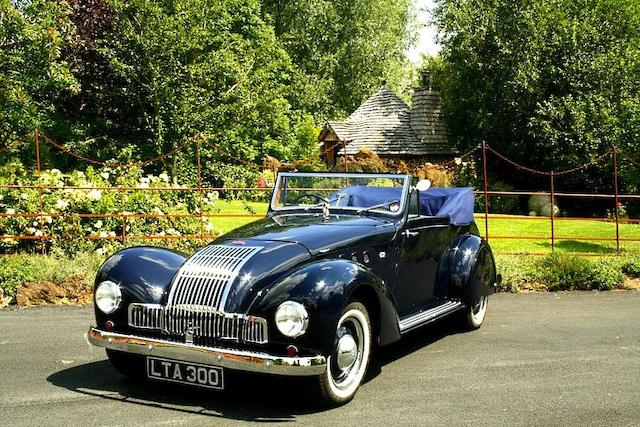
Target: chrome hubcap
x=347, y=352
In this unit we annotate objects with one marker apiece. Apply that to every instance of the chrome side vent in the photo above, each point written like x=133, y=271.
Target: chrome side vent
x=145, y=316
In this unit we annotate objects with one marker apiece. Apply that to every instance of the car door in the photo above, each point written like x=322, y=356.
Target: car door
x=421, y=244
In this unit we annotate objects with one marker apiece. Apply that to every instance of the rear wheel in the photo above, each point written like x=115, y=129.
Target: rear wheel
x=347, y=364
x=476, y=313
x=130, y=365
x=481, y=283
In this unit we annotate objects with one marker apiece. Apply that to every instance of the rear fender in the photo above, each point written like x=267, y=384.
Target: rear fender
x=467, y=270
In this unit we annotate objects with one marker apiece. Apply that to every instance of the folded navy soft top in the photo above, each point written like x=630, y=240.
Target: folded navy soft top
x=455, y=203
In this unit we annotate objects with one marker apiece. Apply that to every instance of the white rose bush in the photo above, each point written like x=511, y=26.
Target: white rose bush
x=91, y=210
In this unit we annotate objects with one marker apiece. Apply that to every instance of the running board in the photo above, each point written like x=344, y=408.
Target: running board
x=427, y=316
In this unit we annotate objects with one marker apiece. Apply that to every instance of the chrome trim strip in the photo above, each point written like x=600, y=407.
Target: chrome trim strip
x=426, y=227
x=427, y=316
x=233, y=359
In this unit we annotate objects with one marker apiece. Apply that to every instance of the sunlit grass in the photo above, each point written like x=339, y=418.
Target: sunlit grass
x=224, y=224
x=571, y=235
x=502, y=231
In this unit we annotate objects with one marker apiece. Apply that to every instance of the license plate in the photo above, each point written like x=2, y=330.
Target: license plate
x=185, y=372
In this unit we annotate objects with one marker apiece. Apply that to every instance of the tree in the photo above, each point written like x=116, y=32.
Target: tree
x=33, y=71
x=175, y=70
x=551, y=83
x=346, y=48
x=134, y=79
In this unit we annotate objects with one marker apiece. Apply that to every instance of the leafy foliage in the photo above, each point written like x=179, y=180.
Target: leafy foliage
x=567, y=272
x=126, y=80
x=631, y=267
x=345, y=48
x=16, y=270
x=179, y=69
x=558, y=272
x=551, y=83
x=34, y=74
x=73, y=216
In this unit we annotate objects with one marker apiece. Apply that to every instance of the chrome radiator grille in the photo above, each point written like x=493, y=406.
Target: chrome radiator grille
x=205, y=278
x=197, y=298
x=203, y=321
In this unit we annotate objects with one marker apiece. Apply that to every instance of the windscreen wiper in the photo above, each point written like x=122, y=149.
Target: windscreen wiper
x=378, y=206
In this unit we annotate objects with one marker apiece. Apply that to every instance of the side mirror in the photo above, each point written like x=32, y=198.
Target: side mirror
x=423, y=185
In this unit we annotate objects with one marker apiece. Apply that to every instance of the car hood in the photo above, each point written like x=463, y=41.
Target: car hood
x=316, y=234
x=279, y=245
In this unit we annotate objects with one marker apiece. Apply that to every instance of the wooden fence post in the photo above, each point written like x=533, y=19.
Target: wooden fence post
x=123, y=219
x=616, y=197
x=485, y=190
x=200, y=189
x=553, y=241
x=344, y=156
x=40, y=202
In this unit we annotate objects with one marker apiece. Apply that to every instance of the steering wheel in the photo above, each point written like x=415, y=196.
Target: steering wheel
x=314, y=195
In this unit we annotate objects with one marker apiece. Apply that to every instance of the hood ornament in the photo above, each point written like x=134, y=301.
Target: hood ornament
x=325, y=210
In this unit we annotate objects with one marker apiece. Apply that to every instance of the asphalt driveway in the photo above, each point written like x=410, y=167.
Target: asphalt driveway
x=539, y=359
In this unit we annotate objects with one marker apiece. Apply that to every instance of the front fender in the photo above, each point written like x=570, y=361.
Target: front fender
x=143, y=273
x=467, y=269
x=324, y=288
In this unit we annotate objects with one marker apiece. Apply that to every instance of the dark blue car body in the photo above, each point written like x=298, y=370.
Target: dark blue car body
x=401, y=266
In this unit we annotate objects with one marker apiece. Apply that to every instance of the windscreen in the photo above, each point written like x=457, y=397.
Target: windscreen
x=359, y=192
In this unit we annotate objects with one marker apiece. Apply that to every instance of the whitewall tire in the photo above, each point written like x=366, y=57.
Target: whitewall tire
x=347, y=365
x=476, y=312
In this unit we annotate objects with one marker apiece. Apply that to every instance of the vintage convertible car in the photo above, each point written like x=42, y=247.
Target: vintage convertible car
x=341, y=264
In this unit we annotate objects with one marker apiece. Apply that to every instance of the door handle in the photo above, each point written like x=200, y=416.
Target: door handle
x=409, y=233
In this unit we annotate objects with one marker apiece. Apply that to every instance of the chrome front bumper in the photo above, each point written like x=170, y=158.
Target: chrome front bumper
x=233, y=359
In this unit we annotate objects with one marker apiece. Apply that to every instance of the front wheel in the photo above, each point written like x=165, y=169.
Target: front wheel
x=347, y=364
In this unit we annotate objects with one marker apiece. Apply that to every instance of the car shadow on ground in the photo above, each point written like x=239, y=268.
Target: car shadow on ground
x=248, y=397
x=412, y=342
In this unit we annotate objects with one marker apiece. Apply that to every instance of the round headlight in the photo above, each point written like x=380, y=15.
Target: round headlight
x=108, y=297
x=292, y=319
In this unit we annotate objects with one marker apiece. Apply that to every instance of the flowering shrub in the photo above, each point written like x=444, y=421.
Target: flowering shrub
x=75, y=216
x=622, y=212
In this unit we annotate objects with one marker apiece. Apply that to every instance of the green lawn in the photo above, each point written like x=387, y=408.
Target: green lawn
x=502, y=231
x=572, y=235
x=236, y=207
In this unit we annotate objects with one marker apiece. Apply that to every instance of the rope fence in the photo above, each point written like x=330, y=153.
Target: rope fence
x=199, y=141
